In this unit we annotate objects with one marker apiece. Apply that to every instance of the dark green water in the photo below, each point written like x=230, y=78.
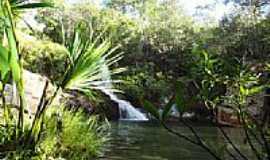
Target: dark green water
x=149, y=141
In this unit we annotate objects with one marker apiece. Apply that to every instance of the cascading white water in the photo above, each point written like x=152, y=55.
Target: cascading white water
x=126, y=110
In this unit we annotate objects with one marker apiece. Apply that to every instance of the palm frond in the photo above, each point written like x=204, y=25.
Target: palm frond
x=31, y=5
x=89, y=64
x=18, y=6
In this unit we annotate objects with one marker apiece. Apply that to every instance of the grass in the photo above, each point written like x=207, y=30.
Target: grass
x=74, y=135
x=66, y=134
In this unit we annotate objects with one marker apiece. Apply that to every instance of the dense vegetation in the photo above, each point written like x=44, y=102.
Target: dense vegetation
x=158, y=39
x=169, y=58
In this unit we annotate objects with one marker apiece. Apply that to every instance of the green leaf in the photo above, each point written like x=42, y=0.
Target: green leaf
x=167, y=109
x=14, y=60
x=179, y=98
x=255, y=90
x=4, y=65
x=242, y=90
x=180, y=103
x=205, y=55
x=31, y=6
x=151, y=109
x=89, y=64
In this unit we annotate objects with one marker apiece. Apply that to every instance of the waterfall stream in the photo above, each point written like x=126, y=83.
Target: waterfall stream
x=126, y=110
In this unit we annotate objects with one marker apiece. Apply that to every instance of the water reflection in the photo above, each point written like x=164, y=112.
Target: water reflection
x=149, y=141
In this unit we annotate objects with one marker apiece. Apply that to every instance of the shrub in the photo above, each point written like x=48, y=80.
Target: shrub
x=67, y=134
x=73, y=135
x=44, y=57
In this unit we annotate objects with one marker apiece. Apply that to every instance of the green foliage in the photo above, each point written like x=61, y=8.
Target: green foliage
x=88, y=62
x=151, y=109
x=4, y=65
x=155, y=38
x=44, y=57
x=66, y=134
x=9, y=10
x=73, y=135
x=145, y=83
x=167, y=109
x=179, y=97
x=22, y=137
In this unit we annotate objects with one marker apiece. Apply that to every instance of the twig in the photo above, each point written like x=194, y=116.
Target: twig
x=231, y=143
x=198, y=143
x=255, y=151
x=231, y=154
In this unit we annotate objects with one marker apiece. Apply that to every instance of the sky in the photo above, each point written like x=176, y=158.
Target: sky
x=218, y=9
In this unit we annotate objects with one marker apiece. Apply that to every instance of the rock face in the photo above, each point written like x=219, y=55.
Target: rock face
x=75, y=101
x=33, y=86
x=109, y=108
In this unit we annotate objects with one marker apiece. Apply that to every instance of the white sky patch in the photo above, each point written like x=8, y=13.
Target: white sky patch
x=96, y=2
x=190, y=6
x=213, y=12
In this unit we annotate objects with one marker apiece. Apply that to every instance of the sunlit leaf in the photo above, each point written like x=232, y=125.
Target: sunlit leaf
x=4, y=65
x=242, y=90
x=255, y=90
x=13, y=60
x=89, y=64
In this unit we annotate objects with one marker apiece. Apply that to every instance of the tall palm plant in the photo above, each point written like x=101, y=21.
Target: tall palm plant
x=10, y=54
x=87, y=58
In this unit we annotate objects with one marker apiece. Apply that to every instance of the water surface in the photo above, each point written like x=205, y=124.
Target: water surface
x=149, y=141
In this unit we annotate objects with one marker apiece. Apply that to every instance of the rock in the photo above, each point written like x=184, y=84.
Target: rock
x=109, y=108
x=74, y=100
x=33, y=87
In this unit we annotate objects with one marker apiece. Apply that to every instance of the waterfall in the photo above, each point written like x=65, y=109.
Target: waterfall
x=126, y=110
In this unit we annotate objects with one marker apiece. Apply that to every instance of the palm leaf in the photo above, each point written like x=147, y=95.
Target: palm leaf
x=89, y=64
x=22, y=6
x=18, y=6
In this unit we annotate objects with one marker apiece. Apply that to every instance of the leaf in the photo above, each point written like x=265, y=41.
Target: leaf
x=148, y=106
x=4, y=65
x=13, y=61
x=31, y=5
x=89, y=64
x=180, y=103
x=242, y=90
x=167, y=109
x=255, y=90
x=179, y=98
x=205, y=55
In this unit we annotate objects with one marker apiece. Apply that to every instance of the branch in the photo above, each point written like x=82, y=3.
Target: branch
x=198, y=143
